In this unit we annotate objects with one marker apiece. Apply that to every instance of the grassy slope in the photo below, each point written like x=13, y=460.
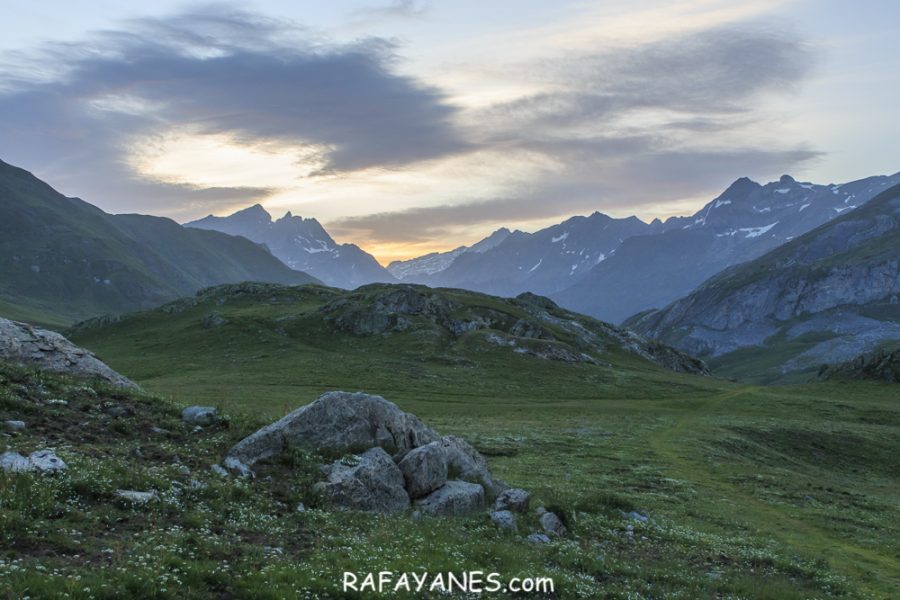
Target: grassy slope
x=786, y=492
x=62, y=259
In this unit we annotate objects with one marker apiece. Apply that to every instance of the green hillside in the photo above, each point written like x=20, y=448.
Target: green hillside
x=783, y=492
x=63, y=260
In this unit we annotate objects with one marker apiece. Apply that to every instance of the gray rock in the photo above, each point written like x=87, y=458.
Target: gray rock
x=636, y=516
x=219, y=470
x=43, y=461
x=374, y=483
x=199, y=415
x=424, y=469
x=515, y=500
x=552, y=524
x=338, y=422
x=453, y=499
x=300, y=507
x=14, y=462
x=137, y=497
x=465, y=462
x=236, y=466
x=504, y=519
x=36, y=347
x=537, y=538
x=14, y=425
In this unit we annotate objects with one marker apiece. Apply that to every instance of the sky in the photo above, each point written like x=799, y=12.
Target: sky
x=413, y=126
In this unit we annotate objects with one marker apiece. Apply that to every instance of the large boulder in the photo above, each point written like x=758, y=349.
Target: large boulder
x=465, y=462
x=370, y=482
x=200, y=415
x=453, y=499
x=338, y=422
x=32, y=346
x=424, y=469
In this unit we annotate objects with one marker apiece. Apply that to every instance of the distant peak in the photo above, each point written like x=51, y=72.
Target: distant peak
x=741, y=187
x=786, y=180
x=287, y=215
x=255, y=211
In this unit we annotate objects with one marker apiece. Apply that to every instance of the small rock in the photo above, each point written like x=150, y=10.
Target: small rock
x=56, y=402
x=236, y=466
x=137, y=497
x=46, y=461
x=537, y=538
x=14, y=425
x=453, y=499
x=15, y=462
x=416, y=515
x=159, y=430
x=199, y=415
x=515, y=500
x=197, y=429
x=300, y=507
x=552, y=524
x=504, y=519
x=219, y=470
x=636, y=516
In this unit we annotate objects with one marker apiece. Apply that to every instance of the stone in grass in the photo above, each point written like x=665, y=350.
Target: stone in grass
x=43, y=461
x=504, y=519
x=453, y=499
x=14, y=425
x=552, y=524
x=199, y=415
x=219, y=470
x=515, y=500
x=537, y=538
x=424, y=469
x=137, y=498
x=239, y=468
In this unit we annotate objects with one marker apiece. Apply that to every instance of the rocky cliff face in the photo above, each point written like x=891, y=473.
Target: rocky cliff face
x=32, y=346
x=842, y=279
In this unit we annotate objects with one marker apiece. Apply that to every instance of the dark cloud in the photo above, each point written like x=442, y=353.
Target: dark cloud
x=219, y=70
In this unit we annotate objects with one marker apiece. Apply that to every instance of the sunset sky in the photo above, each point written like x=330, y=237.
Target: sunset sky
x=414, y=126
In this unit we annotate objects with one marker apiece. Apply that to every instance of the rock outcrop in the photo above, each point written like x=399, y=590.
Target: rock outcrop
x=338, y=422
x=390, y=458
x=21, y=343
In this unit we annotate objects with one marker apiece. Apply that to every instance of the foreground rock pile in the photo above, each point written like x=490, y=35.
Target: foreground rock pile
x=391, y=462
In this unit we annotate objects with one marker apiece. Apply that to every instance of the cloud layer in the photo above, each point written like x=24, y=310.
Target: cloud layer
x=612, y=128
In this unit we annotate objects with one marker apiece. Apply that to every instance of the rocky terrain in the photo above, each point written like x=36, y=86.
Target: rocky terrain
x=882, y=364
x=832, y=294
x=302, y=244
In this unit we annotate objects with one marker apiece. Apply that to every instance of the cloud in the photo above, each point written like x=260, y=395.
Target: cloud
x=403, y=9
x=218, y=70
x=629, y=129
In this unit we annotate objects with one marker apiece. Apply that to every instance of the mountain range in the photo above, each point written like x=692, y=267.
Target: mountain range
x=612, y=268
x=301, y=244
x=825, y=297
x=62, y=259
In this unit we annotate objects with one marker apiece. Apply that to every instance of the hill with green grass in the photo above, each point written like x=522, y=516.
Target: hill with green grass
x=824, y=297
x=382, y=337
x=64, y=260
x=672, y=484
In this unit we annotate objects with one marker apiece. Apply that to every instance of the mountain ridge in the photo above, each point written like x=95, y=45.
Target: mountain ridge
x=302, y=244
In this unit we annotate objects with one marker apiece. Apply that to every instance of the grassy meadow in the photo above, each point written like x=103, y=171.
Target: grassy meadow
x=750, y=492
